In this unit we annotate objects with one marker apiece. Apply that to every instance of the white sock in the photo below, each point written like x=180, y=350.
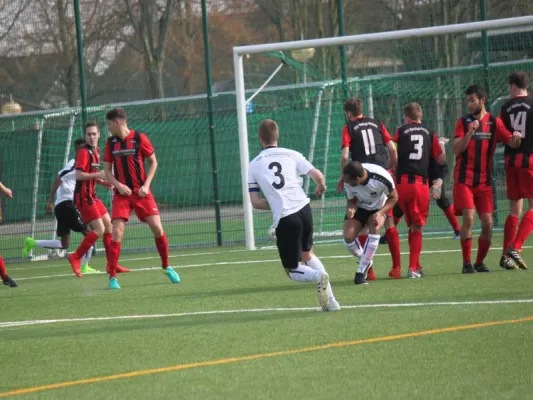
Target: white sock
x=87, y=256
x=317, y=265
x=355, y=247
x=304, y=274
x=371, y=246
x=49, y=244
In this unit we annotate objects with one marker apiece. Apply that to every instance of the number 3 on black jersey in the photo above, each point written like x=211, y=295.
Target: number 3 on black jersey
x=277, y=173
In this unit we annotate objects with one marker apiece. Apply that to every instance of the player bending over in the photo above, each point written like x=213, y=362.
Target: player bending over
x=125, y=153
x=476, y=135
x=366, y=140
x=371, y=195
x=276, y=172
x=67, y=215
x=6, y=280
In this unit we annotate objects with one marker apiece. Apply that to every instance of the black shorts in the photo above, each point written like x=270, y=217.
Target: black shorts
x=362, y=215
x=294, y=234
x=68, y=218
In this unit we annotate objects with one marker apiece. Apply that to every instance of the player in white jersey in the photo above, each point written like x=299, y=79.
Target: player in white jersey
x=371, y=194
x=277, y=173
x=67, y=215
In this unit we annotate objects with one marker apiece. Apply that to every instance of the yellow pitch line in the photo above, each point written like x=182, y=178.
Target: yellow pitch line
x=180, y=367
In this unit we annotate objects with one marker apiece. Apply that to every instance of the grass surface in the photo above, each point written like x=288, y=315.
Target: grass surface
x=489, y=362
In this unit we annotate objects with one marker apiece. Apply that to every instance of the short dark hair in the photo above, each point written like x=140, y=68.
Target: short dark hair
x=413, y=111
x=354, y=170
x=478, y=90
x=519, y=79
x=79, y=142
x=268, y=131
x=116, y=113
x=354, y=105
x=90, y=124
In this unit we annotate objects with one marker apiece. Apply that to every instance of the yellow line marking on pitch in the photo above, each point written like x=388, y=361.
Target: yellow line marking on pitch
x=180, y=367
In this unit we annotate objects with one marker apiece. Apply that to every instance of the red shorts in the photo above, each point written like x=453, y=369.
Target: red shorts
x=143, y=206
x=469, y=198
x=91, y=212
x=519, y=183
x=413, y=199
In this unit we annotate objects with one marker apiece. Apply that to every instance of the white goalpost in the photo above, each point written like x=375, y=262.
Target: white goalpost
x=240, y=51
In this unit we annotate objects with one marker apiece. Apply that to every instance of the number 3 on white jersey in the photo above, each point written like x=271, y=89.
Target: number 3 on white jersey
x=419, y=142
x=518, y=122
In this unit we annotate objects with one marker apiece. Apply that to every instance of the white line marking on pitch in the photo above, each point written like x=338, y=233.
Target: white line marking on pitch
x=244, y=262
x=9, y=324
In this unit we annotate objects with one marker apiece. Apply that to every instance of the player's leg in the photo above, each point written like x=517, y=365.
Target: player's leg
x=310, y=259
x=120, y=214
x=447, y=208
x=463, y=198
x=107, y=237
x=63, y=215
x=483, y=199
x=418, y=210
x=289, y=234
x=393, y=240
x=6, y=280
x=526, y=224
x=366, y=262
x=351, y=230
x=513, y=219
x=92, y=217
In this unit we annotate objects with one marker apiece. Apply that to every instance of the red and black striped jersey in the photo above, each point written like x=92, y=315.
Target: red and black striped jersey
x=473, y=167
x=517, y=115
x=127, y=157
x=367, y=139
x=87, y=160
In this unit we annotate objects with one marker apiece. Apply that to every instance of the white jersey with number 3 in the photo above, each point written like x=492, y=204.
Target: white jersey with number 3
x=277, y=173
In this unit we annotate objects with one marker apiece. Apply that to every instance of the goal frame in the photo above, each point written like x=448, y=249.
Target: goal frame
x=240, y=51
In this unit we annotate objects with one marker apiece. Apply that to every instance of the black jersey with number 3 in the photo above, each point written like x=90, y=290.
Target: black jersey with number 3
x=367, y=144
x=517, y=115
x=415, y=143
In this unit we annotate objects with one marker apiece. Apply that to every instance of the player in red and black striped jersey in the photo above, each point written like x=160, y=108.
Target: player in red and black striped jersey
x=125, y=153
x=367, y=140
x=476, y=136
x=416, y=146
x=6, y=280
x=93, y=212
x=517, y=115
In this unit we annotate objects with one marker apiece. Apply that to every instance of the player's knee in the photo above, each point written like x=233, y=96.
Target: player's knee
x=468, y=220
x=486, y=223
x=307, y=255
x=416, y=228
x=389, y=223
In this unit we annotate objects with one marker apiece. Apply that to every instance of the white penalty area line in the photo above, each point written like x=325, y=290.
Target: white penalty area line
x=244, y=262
x=10, y=324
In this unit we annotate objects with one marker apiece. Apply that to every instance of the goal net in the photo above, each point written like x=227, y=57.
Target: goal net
x=430, y=66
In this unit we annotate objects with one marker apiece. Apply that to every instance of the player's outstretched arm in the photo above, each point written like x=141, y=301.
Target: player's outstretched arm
x=345, y=154
x=258, y=202
x=55, y=186
x=392, y=199
x=460, y=144
x=87, y=176
x=152, y=167
x=6, y=191
x=393, y=153
x=108, y=172
x=319, y=179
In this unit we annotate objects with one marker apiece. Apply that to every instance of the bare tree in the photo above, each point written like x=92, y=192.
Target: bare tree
x=150, y=21
x=10, y=13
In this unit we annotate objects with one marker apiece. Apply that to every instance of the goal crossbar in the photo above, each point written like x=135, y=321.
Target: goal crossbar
x=239, y=51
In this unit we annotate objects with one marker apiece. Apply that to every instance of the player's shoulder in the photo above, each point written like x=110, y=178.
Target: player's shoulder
x=378, y=173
